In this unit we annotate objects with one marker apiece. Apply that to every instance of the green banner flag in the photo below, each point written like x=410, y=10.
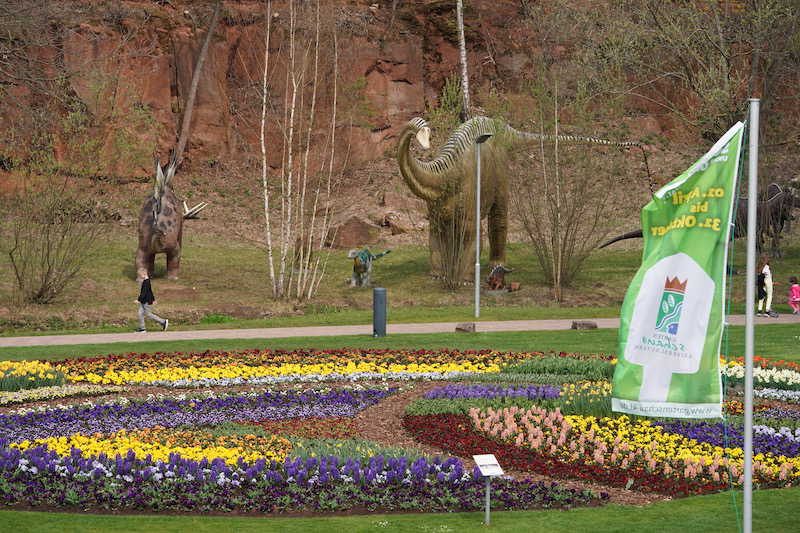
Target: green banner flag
x=673, y=314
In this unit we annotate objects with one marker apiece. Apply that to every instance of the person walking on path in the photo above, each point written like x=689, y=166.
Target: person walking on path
x=765, y=284
x=794, y=295
x=145, y=300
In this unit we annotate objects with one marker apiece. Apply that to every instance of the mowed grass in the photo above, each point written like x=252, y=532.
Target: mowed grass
x=773, y=510
x=224, y=284
x=779, y=341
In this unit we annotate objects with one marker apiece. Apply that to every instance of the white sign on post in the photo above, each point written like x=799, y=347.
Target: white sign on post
x=488, y=465
x=489, y=468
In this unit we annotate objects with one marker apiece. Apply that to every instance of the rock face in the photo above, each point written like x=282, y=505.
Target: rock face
x=129, y=68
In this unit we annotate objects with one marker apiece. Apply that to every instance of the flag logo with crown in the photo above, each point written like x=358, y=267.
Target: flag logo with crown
x=671, y=305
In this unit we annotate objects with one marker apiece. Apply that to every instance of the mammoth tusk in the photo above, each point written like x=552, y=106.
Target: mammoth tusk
x=424, y=137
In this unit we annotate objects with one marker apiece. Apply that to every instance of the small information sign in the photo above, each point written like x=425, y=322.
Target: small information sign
x=488, y=465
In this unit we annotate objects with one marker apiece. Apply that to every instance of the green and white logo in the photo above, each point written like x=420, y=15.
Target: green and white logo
x=669, y=311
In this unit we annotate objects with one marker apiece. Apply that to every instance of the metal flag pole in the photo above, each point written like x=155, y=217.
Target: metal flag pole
x=478, y=142
x=752, y=197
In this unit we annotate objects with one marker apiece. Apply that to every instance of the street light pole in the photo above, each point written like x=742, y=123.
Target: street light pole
x=478, y=142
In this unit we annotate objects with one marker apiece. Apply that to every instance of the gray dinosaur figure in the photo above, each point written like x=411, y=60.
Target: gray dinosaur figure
x=161, y=223
x=447, y=184
x=774, y=215
x=362, y=266
x=496, y=281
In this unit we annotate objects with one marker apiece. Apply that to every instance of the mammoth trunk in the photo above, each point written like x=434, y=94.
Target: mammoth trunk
x=422, y=182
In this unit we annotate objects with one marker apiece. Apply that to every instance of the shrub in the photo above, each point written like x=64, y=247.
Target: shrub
x=216, y=319
x=52, y=237
x=592, y=369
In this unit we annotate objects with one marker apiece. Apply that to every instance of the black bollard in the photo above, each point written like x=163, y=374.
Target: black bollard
x=379, y=312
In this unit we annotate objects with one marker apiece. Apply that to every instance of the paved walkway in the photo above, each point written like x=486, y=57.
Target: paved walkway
x=324, y=331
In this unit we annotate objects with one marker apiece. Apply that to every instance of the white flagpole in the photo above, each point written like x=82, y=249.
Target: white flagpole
x=752, y=197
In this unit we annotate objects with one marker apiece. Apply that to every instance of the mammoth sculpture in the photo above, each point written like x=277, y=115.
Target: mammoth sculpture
x=161, y=223
x=774, y=214
x=447, y=184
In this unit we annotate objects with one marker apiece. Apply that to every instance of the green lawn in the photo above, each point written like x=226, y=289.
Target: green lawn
x=773, y=510
x=224, y=283
x=772, y=340
x=329, y=316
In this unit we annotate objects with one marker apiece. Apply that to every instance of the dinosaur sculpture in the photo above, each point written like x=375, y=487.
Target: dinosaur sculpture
x=362, y=266
x=161, y=223
x=496, y=281
x=447, y=184
x=774, y=215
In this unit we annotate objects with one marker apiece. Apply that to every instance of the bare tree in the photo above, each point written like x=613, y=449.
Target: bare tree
x=198, y=69
x=697, y=65
x=296, y=228
x=53, y=234
x=462, y=54
x=562, y=190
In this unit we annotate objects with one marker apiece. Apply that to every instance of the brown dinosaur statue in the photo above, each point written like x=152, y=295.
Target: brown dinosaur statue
x=774, y=215
x=161, y=223
x=447, y=184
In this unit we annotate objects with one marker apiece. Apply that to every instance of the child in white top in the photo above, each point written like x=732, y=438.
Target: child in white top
x=765, y=285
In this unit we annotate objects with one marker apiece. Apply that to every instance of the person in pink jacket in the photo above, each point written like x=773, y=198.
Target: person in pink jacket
x=794, y=295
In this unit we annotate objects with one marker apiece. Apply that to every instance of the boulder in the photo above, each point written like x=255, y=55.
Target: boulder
x=353, y=233
x=465, y=327
x=396, y=228
x=584, y=324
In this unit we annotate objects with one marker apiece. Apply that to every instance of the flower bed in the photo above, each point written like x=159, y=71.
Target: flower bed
x=301, y=448
x=56, y=392
x=311, y=427
x=560, y=437
x=779, y=375
x=255, y=452
x=20, y=375
x=38, y=476
x=455, y=434
x=271, y=367
x=527, y=392
x=208, y=411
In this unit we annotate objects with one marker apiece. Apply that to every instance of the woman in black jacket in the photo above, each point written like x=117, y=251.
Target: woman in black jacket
x=145, y=300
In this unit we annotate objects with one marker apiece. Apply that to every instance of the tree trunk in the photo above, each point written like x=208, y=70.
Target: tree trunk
x=187, y=112
x=465, y=111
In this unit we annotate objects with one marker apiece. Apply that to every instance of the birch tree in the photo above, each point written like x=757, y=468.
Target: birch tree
x=297, y=213
x=462, y=50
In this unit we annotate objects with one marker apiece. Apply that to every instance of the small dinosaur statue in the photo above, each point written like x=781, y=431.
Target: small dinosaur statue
x=362, y=266
x=497, y=278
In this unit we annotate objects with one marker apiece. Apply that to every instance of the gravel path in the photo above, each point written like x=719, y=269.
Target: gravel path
x=324, y=331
